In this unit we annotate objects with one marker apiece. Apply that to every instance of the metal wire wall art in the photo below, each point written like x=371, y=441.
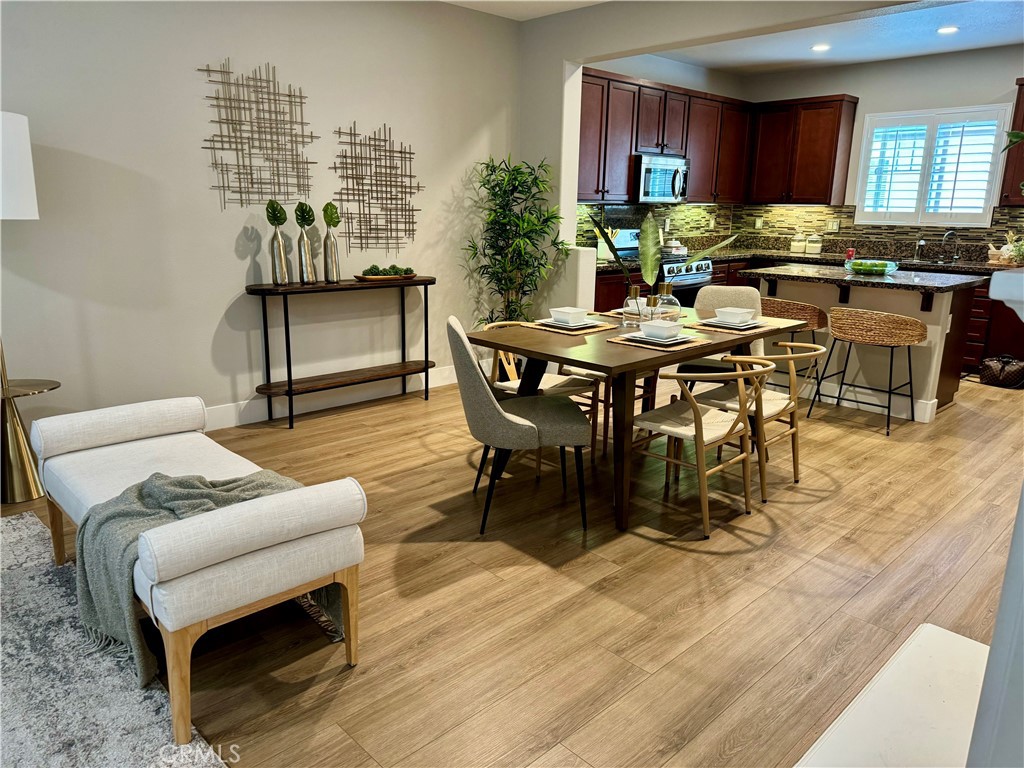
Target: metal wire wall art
x=260, y=133
x=377, y=187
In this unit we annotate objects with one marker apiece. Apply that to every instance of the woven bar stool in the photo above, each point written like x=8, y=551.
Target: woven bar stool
x=815, y=318
x=876, y=329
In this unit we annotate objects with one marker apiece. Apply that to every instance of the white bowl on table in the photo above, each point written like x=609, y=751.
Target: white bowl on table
x=661, y=329
x=569, y=315
x=735, y=315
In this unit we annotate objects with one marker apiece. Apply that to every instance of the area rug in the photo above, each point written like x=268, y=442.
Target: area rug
x=59, y=707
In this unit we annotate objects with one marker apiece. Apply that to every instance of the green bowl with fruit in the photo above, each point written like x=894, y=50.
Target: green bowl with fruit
x=871, y=266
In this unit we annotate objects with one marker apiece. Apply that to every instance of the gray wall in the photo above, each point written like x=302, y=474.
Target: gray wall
x=130, y=285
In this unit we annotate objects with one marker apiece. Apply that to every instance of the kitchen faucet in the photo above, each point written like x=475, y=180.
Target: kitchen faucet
x=956, y=243
x=919, y=249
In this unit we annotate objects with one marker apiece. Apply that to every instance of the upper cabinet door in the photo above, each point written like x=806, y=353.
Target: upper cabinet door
x=816, y=136
x=619, y=138
x=773, y=141
x=650, y=120
x=733, y=155
x=702, y=149
x=677, y=107
x=592, y=139
x=1013, y=174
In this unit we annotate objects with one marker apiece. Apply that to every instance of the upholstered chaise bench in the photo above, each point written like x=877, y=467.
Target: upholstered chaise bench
x=203, y=571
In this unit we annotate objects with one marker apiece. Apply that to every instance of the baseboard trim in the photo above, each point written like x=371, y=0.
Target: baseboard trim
x=254, y=409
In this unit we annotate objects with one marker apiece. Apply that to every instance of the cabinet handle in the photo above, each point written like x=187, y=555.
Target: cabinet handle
x=1006, y=195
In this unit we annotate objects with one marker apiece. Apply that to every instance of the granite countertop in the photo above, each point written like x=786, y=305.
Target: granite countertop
x=923, y=282
x=727, y=255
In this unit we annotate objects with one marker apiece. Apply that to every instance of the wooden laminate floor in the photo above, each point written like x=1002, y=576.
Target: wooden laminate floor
x=539, y=645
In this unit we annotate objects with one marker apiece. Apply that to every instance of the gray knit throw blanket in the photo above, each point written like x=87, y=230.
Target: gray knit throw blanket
x=107, y=548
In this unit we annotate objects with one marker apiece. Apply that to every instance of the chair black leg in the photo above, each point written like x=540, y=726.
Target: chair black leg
x=480, y=469
x=578, y=450
x=888, y=403
x=910, y=381
x=501, y=456
x=561, y=455
x=842, y=379
x=817, y=390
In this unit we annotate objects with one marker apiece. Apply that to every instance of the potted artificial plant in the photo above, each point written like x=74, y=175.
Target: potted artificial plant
x=305, y=217
x=519, y=243
x=332, y=271
x=277, y=216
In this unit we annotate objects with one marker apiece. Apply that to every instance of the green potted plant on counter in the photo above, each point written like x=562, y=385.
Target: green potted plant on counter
x=519, y=244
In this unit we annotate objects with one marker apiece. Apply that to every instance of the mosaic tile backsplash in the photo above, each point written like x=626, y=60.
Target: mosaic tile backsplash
x=691, y=225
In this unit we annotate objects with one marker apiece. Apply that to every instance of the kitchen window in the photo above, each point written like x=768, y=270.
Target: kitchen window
x=934, y=168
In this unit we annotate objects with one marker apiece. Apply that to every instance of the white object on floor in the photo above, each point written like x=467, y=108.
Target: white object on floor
x=1007, y=286
x=917, y=711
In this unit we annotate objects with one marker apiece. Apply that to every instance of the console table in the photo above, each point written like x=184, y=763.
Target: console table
x=291, y=387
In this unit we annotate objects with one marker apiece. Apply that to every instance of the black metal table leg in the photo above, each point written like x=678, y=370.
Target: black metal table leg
x=266, y=358
x=426, y=345
x=288, y=362
x=401, y=311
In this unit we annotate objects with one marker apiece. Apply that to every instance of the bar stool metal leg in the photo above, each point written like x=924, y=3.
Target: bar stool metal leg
x=888, y=404
x=817, y=389
x=910, y=381
x=842, y=379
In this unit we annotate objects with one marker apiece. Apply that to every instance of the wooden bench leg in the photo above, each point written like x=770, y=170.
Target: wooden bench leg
x=56, y=531
x=178, y=652
x=349, y=581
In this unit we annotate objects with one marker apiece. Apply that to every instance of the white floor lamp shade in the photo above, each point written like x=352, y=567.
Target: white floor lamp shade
x=17, y=181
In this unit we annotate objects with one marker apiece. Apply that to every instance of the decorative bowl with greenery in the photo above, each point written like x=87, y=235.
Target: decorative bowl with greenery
x=519, y=244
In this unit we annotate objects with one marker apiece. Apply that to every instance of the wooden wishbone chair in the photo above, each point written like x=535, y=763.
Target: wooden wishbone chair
x=770, y=406
x=688, y=420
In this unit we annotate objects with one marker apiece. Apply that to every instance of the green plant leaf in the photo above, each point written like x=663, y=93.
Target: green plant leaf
x=331, y=216
x=304, y=215
x=276, y=214
x=611, y=246
x=650, y=249
x=1013, y=138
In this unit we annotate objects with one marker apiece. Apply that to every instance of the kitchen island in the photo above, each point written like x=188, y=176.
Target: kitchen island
x=939, y=300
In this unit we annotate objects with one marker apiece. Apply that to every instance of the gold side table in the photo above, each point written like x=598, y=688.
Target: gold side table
x=20, y=476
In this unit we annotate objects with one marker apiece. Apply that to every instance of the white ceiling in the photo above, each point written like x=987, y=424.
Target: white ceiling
x=524, y=10
x=895, y=35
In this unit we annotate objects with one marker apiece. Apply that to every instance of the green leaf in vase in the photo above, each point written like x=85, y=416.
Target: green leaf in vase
x=304, y=215
x=331, y=216
x=276, y=214
x=611, y=246
x=650, y=249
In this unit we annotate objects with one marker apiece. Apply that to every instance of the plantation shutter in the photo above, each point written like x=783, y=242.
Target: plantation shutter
x=894, y=169
x=962, y=167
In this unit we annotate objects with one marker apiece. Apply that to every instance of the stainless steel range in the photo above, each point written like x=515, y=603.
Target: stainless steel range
x=685, y=279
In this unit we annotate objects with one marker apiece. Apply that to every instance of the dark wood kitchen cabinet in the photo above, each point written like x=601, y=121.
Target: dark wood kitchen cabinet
x=702, y=149
x=717, y=148
x=733, y=155
x=802, y=150
x=608, y=114
x=661, y=121
x=1013, y=175
x=610, y=290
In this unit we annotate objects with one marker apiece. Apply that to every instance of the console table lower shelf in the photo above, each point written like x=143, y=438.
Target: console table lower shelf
x=325, y=381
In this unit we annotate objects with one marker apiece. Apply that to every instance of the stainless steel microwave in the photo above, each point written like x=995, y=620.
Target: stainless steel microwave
x=662, y=179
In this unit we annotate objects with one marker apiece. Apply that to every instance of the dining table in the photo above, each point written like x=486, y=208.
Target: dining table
x=622, y=364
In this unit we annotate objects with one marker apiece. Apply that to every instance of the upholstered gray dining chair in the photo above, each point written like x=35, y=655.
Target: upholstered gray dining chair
x=518, y=423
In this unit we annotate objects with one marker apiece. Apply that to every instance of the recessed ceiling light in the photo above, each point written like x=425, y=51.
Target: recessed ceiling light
x=820, y=47
x=947, y=30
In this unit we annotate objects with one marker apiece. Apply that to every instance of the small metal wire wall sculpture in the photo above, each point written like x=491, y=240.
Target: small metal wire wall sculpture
x=377, y=185
x=257, y=148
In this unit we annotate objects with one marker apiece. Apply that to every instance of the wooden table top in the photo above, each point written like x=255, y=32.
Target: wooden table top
x=593, y=352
